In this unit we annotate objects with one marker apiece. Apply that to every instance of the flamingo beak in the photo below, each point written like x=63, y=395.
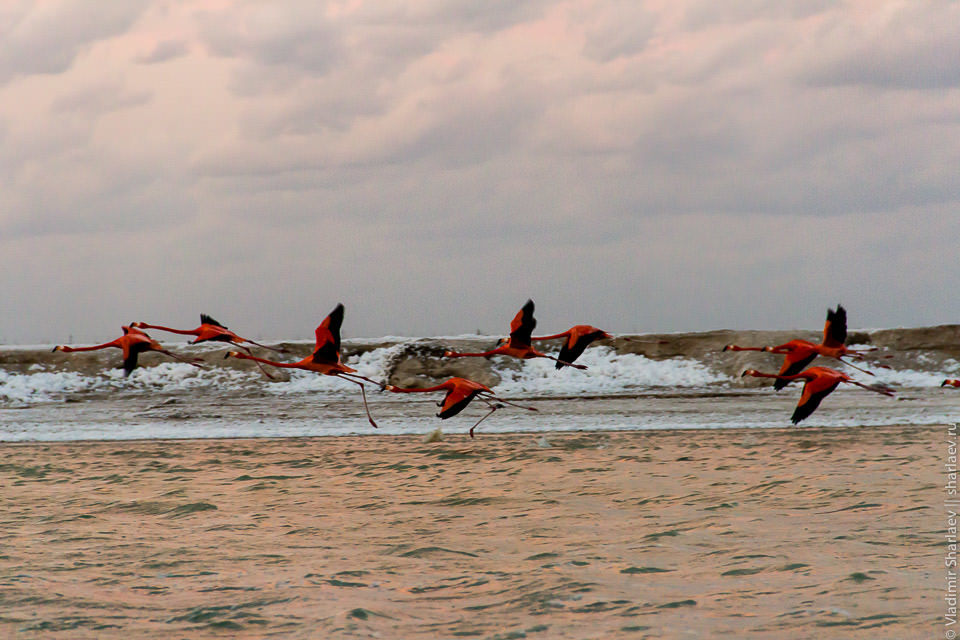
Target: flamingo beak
x=727, y=347
x=58, y=347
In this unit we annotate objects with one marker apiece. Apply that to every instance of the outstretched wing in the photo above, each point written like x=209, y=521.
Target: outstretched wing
x=456, y=401
x=810, y=400
x=576, y=345
x=130, y=354
x=521, y=329
x=327, y=350
x=835, y=328
x=205, y=319
x=792, y=364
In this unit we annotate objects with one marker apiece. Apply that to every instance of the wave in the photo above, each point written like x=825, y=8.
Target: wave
x=907, y=358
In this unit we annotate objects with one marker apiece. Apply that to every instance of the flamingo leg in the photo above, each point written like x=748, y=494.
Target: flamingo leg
x=876, y=388
x=493, y=407
x=262, y=368
x=512, y=404
x=850, y=364
x=563, y=362
x=182, y=359
x=363, y=394
x=382, y=385
x=263, y=346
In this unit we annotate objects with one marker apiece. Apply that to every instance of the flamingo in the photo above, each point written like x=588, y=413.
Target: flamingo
x=819, y=383
x=950, y=382
x=798, y=354
x=133, y=342
x=212, y=331
x=460, y=392
x=578, y=338
x=518, y=344
x=325, y=358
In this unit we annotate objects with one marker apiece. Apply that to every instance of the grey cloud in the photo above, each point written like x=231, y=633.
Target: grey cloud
x=165, y=51
x=304, y=40
x=699, y=14
x=482, y=17
x=99, y=99
x=45, y=38
x=915, y=49
x=622, y=31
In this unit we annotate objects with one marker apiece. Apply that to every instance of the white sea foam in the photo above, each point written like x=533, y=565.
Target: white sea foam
x=41, y=386
x=607, y=373
x=905, y=377
x=169, y=377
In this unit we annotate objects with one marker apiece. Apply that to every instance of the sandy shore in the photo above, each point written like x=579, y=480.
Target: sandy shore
x=806, y=533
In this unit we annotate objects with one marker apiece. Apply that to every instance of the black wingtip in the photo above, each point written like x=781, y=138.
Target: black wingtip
x=208, y=319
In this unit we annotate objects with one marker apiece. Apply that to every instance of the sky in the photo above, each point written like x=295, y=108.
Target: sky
x=642, y=166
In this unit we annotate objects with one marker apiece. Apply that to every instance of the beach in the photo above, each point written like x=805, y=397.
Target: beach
x=749, y=533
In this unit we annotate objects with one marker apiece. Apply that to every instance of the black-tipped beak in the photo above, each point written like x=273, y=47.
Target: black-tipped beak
x=57, y=348
x=744, y=374
x=227, y=355
x=726, y=347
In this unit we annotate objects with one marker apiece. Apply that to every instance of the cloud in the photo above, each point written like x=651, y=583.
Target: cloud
x=98, y=99
x=678, y=165
x=914, y=46
x=165, y=51
x=45, y=38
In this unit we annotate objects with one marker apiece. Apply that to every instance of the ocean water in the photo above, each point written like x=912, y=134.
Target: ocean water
x=43, y=399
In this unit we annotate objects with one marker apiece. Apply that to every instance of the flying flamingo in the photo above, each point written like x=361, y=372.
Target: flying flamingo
x=819, y=383
x=798, y=354
x=518, y=344
x=133, y=342
x=949, y=382
x=212, y=331
x=578, y=338
x=460, y=392
x=325, y=359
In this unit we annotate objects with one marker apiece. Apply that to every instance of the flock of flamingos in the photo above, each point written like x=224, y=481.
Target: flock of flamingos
x=819, y=381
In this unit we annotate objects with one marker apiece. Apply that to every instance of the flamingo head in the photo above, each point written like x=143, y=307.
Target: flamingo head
x=234, y=354
x=728, y=347
x=138, y=325
x=748, y=372
x=59, y=347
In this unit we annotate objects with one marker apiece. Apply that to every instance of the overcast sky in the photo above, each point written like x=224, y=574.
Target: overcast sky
x=637, y=165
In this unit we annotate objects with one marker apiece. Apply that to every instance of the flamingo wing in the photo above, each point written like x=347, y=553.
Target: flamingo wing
x=328, y=337
x=522, y=326
x=793, y=363
x=205, y=319
x=130, y=354
x=574, y=347
x=835, y=328
x=814, y=391
x=456, y=401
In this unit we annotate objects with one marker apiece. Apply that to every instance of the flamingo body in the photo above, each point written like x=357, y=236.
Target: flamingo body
x=133, y=342
x=459, y=393
x=578, y=338
x=325, y=358
x=819, y=382
x=519, y=344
